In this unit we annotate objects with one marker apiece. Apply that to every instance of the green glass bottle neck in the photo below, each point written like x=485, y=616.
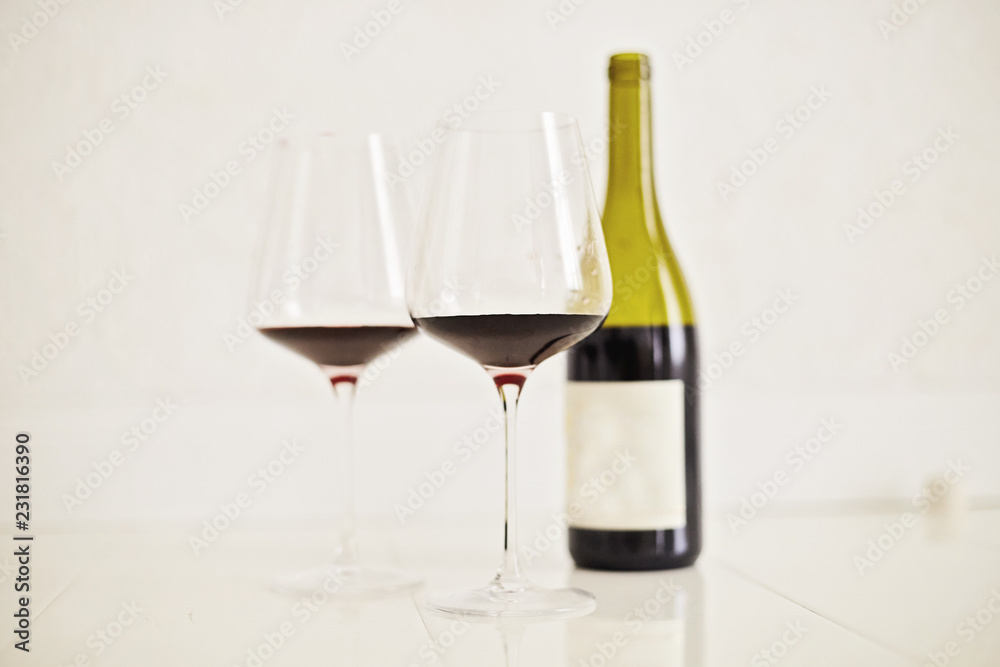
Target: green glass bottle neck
x=649, y=288
x=630, y=140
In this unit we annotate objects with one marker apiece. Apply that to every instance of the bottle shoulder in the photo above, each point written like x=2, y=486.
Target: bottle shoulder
x=649, y=283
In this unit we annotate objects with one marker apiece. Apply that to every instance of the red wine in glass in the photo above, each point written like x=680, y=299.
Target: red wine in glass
x=511, y=341
x=339, y=346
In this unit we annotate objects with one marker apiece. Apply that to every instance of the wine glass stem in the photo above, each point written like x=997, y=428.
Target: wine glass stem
x=510, y=571
x=511, y=644
x=344, y=389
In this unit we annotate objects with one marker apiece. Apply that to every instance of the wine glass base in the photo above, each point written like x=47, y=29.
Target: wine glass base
x=348, y=581
x=524, y=601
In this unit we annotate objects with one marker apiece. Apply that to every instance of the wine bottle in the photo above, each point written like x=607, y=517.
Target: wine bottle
x=634, y=498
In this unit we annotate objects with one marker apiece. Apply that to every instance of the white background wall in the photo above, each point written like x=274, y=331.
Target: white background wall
x=162, y=337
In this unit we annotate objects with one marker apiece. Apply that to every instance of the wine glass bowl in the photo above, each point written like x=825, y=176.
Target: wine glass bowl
x=510, y=233
x=518, y=183
x=333, y=248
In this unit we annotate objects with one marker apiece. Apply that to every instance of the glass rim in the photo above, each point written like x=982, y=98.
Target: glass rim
x=511, y=121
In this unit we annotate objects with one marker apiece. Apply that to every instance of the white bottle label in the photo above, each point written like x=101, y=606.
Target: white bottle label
x=626, y=455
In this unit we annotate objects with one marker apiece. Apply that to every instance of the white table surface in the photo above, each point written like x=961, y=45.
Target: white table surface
x=742, y=598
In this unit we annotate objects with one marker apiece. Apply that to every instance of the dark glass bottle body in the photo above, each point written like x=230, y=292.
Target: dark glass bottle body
x=632, y=401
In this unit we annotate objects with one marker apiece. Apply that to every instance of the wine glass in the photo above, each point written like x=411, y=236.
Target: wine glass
x=509, y=267
x=329, y=287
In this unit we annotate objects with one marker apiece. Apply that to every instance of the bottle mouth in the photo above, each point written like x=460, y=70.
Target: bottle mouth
x=628, y=67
